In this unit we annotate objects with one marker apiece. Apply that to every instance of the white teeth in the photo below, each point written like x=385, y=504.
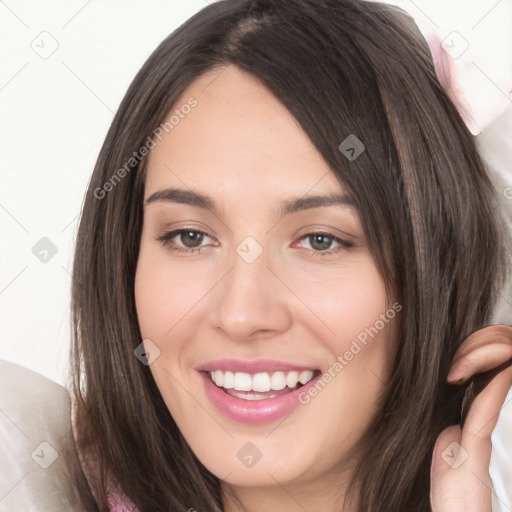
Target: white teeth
x=242, y=381
x=251, y=396
x=229, y=380
x=260, y=382
x=218, y=377
x=278, y=381
x=305, y=376
x=291, y=379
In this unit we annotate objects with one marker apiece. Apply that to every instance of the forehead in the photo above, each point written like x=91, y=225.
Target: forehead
x=230, y=135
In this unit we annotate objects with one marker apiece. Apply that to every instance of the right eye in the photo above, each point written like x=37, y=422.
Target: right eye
x=190, y=240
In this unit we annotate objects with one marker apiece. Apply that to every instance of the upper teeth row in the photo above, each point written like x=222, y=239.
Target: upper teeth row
x=260, y=381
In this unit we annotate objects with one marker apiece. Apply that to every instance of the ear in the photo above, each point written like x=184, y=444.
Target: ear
x=482, y=351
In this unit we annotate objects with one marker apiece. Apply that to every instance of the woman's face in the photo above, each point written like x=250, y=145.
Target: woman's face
x=247, y=288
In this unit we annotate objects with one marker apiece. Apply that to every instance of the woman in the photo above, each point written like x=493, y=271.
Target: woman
x=286, y=239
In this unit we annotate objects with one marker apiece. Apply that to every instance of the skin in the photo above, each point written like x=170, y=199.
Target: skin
x=289, y=304
x=241, y=147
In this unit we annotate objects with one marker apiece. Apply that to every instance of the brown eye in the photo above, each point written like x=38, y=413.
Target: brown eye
x=320, y=244
x=191, y=238
x=184, y=240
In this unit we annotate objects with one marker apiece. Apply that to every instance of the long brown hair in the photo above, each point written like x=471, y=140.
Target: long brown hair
x=427, y=206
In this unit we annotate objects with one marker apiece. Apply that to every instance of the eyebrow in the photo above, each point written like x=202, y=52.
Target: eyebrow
x=175, y=195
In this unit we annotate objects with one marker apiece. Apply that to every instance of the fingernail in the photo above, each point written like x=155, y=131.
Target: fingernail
x=455, y=377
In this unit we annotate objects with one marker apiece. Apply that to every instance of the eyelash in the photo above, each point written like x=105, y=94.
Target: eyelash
x=166, y=240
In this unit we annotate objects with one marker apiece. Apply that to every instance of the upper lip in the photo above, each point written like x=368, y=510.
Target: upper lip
x=252, y=367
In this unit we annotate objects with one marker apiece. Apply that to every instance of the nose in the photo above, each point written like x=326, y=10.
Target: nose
x=250, y=302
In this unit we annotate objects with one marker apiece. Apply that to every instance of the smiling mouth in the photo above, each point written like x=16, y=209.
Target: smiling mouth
x=260, y=386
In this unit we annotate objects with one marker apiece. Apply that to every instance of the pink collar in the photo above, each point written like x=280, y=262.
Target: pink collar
x=119, y=502
x=117, y=499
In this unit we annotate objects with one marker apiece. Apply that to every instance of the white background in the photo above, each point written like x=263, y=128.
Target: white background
x=55, y=113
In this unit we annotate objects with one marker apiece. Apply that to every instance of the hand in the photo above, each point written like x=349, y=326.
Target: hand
x=460, y=479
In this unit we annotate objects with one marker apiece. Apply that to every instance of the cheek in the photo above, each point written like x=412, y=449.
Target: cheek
x=157, y=301
x=343, y=304
x=166, y=295
x=167, y=300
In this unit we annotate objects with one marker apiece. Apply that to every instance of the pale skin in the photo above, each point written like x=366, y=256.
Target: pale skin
x=244, y=150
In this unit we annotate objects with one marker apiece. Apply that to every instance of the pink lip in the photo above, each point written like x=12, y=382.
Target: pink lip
x=254, y=411
x=251, y=367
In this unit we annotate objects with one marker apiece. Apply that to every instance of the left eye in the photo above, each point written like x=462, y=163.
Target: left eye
x=322, y=242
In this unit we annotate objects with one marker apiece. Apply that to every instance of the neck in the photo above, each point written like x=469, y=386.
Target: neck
x=325, y=493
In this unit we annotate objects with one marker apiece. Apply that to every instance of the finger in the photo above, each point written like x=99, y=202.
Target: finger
x=451, y=485
x=477, y=384
x=482, y=351
x=476, y=439
x=460, y=463
x=439, y=464
x=500, y=332
x=485, y=410
x=454, y=485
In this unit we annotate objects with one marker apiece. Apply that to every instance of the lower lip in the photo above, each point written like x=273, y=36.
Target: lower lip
x=254, y=411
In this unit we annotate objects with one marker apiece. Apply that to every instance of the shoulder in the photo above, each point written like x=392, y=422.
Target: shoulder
x=35, y=421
